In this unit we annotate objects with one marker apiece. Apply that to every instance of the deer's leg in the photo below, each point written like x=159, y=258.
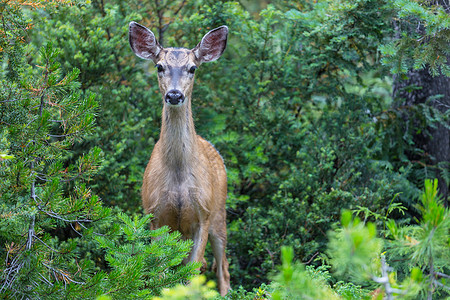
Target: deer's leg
x=200, y=239
x=204, y=266
x=218, y=240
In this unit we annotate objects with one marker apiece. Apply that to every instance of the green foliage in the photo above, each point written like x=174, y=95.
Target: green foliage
x=355, y=254
x=12, y=31
x=295, y=282
x=261, y=293
x=423, y=39
x=197, y=289
x=354, y=250
x=292, y=281
x=149, y=266
x=41, y=194
x=425, y=246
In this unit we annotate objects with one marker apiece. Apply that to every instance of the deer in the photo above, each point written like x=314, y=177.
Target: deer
x=185, y=182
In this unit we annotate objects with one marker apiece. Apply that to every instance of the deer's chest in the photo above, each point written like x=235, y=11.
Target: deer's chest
x=179, y=206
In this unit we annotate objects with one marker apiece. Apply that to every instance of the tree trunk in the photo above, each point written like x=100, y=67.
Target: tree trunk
x=434, y=141
x=436, y=144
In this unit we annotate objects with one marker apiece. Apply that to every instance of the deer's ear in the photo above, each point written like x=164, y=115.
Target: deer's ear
x=143, y=42
x=212, y=45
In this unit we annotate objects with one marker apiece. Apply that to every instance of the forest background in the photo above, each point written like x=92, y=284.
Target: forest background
x=330, y=116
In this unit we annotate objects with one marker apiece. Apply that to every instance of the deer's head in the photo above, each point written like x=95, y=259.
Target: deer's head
x=176, y=66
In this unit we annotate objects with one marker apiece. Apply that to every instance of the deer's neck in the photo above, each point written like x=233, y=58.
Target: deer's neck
x=178, y=138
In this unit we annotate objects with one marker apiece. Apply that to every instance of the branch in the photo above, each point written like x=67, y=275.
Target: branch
x=36, y=237
x=10, y=100
x=31, y=232
x=179, y=8
x=312, y=257
x=46, y=281
x=165, y=26
x=441, y=274
x=384, y=280
x=71, y=225
x=15, y=265
x=41, y=106
x=56, y=216
x=62, y=180
x=12, y=271
x=64, y=276
x=159, y=13
x=441, y=285
x=62, y=135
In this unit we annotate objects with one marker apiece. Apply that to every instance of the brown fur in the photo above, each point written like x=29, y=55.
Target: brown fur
x=185, y=182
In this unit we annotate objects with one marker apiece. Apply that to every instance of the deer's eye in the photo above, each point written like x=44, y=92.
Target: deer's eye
x=160, y=68
x=192, y=69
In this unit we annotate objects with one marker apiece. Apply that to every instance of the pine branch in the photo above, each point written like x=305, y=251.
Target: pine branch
x=46, y=280
x=31, y=232
x=384, y=280
x=441, y=285
x=63, y=135
x=12, y=271
x=42, y=242
x=57, y=216
x=65, y=276
x=441, y=274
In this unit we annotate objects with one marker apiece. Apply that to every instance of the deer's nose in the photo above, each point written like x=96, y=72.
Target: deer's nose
x=174, y=97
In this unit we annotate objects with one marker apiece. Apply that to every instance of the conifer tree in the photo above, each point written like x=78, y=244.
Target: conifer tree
x=50, y=221
x=42, y=115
